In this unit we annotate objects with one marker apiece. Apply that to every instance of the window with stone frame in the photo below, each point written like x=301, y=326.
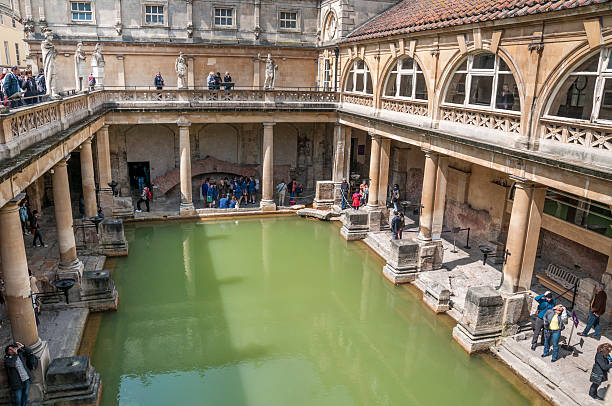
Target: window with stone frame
x=154, y=14
x=406, y=81
x=288, y=20
x=359, y=79
x=484, y=81
x=326, y=74
x=586, y=93
x=81, y=11
x=224, y=17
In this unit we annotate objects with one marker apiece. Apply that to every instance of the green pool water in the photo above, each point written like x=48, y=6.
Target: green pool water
x=276, y=312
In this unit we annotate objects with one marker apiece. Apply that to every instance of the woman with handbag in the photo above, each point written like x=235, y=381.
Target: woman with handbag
x=601, y=366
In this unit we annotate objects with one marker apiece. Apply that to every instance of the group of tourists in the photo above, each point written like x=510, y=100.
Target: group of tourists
x=551, y=318
x=214, y=81
x=17, y=88
x=229, y=193
x=294, y=189
x=398, y=222
x=29, y=222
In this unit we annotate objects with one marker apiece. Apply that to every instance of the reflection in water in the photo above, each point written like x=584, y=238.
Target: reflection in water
x=276, y=312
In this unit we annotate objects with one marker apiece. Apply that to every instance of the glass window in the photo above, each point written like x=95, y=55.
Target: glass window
x=288, y=19
x=326, y=74
x=13, y=22
x=359, y=79
x=401, y=81
x=224, y=17
x=17, y=54
x=586, y=93
x=6, y=53
x=154, y=14
x=487, y=81
x=81, y=11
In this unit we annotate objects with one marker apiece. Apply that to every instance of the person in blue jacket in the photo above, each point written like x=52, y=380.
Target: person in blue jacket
x=545, y=303
x=252, y=189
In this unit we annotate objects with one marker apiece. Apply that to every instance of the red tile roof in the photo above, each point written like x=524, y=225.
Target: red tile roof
x=420, y=15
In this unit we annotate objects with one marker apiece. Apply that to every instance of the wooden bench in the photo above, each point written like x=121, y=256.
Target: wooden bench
x=558, y=280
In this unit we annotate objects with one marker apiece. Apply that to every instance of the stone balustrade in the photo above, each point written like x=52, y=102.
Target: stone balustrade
x=417, y=108
x=569, y=132
x=508, y=122
x=358, y=99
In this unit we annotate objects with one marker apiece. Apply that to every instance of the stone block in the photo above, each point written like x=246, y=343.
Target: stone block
x=72, y=381
x=376, y=219
x=355, y=225
x=402, y=262
x=324, y=195
x=431, y=254
x=112, y=238
x=122, y=207
x=516, y=314
x=98, y=290
x=584, y=295
x=86, y=235
x=437, y=298
x=481, y=323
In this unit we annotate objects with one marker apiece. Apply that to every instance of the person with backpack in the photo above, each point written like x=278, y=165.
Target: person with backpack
x=23, y=216
x=41, y=85
x=396, y=224
x=545, y=303
x=29, y=85
x=145, y=196
x=601, y=366
x=395, y=197
x=91, y=82
x=35, y=229
x=19, y=362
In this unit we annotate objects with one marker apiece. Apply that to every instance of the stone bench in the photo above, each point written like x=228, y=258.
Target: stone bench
x=559, y=280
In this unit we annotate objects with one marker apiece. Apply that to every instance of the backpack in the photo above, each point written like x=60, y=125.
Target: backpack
x=31, y=361
x=149, y=195
x=41, y=86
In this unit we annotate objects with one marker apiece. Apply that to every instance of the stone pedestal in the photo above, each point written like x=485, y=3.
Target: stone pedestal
x=481, y=323
x=98, y=290
x=73, y=381
x=402, y=264
x=378, y=219
x=112, y=238
x=355, y=225
x=516, y=314
x=85, y=235
x=437, y=298
x=431, y=254
x=324, y=195
x=122, y=207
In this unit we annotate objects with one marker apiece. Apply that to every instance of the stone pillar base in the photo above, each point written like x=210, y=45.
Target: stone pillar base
x=123, y=208
x=98, y=290
x=73, y=381
x=375, y=218
x=112, y=238
x=267, y=205
x=437, y=298
x=72, y=270
x=431, y=254
x=338, y=194
x=41, y=350
x=324, y=195
x=516, y=315
x=187, y=209
x=397, y=276
x=401, y=266
x=474, y=343
x=85, y=235
x=355, y=225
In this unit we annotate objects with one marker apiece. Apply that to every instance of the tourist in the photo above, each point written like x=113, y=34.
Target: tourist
x=19, y=362
x=245, y=191
x=211, y=195
x=395, y=197
x=598, y=307
x=356, y=200
x=210, y=81
x=23, y=216
x=299, y=189
x=396, y=223
x=35, y=229
x=545, y=303
x=218, y=81
x=554, y=322
x=602, y=365
x=41, y=85
x=252, y=190
x=237, y=190
x=227, y=79
x=35, y=299
x=281, y=191
x=505, y=99
x=402, y=225
x=344, y=190
x=145, y=196
x=29, y=85
x=365, y=190
x=91, y=82
x=204, y=191
x=233, y=203
x=12, y=86
x=223, y=202
x=158, y=81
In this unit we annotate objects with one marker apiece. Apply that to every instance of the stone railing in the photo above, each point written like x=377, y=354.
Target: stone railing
x=568, y=132
x=361, y=100
x=509, y=122
x=418, y=108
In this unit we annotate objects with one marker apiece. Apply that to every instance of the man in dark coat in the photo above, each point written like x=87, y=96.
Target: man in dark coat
x=598, y=307
x=18, y=371
x=599, y=373
x=396, y=224
x=545, y=303
x=344, y=190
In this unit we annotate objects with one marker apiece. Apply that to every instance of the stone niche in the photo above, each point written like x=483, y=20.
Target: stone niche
x=324, y=195
x=72, y=381
x=98, y=290
x=112, y=238
x=481, y=323
x=402, y=265
x=355, y=225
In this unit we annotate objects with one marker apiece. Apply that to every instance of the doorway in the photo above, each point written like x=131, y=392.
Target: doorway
x=140, y=175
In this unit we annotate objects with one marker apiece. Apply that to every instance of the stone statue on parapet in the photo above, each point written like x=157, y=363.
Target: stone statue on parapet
x=97, y=66
x=49, y=54
x=80, y=68
x=271, y=71
x=181, y=71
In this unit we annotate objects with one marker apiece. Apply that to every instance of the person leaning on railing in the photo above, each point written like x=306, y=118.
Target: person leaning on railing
x=12, y=86
x=158, y=81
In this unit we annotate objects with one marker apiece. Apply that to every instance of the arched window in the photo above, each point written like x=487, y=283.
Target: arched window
x=358, y=79
x=484, y=80
x=586, y=94
x=406, y=80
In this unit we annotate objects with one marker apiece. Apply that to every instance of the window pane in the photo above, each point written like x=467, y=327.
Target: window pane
x=575, y=98
x=406, y=86
x=610, y=62
x=484, y=61
x=590, y=65
x=75, y=16
x=463, y=66
x=503, y=66
x=360, y=64
x=481, y=90
x=349, y=82
x=605, y=109
x=407, y=63
x=391, y=87
x=421, y=87
x=148, y=18
x=75, y=6
x=456, y=89
x=229, y=12
x=507, y=97
x=359, y=82
x=148, y=9
x=369, y=87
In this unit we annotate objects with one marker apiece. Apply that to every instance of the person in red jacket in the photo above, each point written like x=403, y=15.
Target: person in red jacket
x=356, y=200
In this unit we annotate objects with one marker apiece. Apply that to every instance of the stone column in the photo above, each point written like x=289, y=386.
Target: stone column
x=517, y=235
x=374, y=171
x=428, y=195
x=69, y=266
x=339, y=147
x=533, y=235
x=186, y=207
x=267, y=189
x=439, y=199
x=383, y=177
x=87, y=178
x=17, y=291
x=104, y=170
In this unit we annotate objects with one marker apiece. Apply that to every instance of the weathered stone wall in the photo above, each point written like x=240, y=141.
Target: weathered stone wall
x=406, y=169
